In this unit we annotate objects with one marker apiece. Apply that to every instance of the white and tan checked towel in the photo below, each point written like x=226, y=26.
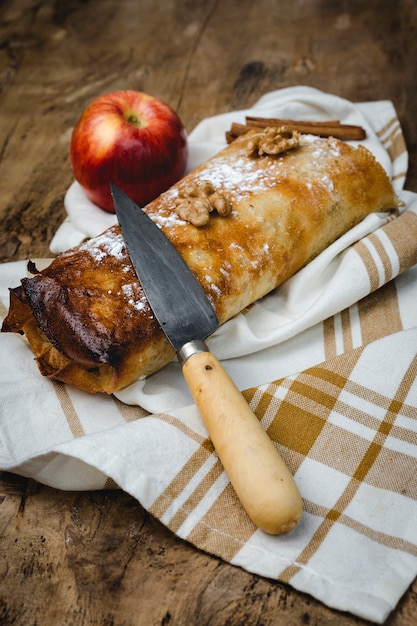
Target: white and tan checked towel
x=328, y=363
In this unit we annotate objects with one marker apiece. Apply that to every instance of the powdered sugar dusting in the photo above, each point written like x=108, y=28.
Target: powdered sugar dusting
x=111, y=244
x=165, y=221
x=108, y=243
x=245, y=177
x=138, y=304
x=327, y=182
x=321, y=146
x=216, y=290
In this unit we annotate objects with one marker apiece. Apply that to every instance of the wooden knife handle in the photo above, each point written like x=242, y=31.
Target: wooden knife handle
x=262, y=481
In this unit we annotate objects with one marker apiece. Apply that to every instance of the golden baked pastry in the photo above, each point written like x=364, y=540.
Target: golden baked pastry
x=265, y=216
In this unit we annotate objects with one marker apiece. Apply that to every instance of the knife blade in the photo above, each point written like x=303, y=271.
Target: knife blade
x=258, y=474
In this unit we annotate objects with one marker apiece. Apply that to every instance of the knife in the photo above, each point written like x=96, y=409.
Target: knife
x=258, y=474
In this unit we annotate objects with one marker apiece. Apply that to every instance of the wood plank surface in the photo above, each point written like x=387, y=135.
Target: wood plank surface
x=98, y=558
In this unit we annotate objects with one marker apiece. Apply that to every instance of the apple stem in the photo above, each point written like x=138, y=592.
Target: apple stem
x=134, y=120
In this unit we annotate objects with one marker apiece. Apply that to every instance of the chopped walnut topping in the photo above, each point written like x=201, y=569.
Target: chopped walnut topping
x=196, y=201
x=273, y=141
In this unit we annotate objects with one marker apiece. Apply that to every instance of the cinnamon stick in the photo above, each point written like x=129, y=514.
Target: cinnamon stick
x=328, y=128
x=268, y=121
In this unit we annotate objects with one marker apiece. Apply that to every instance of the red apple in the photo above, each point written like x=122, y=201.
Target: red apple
x=131, y=139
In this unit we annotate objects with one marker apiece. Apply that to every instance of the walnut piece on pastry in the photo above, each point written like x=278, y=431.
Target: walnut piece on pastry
x=86, y=317
x=273, y=141
x=195, y=202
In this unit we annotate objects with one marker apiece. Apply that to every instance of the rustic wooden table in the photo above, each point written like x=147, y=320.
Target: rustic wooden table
x=99, y=558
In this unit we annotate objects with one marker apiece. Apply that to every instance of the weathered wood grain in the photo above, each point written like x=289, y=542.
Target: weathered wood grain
x=99, y=558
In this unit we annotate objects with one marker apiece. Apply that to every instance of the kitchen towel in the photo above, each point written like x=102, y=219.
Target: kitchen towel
x=328, y=363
